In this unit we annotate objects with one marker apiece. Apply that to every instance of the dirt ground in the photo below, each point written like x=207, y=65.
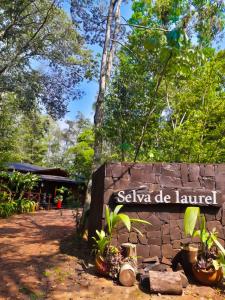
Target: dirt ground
x=41, y=258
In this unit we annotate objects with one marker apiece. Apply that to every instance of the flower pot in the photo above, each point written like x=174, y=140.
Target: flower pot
x=59, y=204
x=206, y=277
x=101, y=265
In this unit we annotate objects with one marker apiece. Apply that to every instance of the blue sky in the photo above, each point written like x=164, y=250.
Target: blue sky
x=85, y=104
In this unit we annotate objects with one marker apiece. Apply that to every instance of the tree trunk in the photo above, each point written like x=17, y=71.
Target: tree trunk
x=127, y=275
x=165, y=282
x=106, y=66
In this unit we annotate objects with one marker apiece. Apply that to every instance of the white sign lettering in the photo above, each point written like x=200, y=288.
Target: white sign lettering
x=140, y=196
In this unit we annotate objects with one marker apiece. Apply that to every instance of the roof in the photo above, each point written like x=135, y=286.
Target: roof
x=25, y=167
x=57, y=179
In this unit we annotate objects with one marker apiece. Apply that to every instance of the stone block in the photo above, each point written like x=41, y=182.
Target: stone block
x=180, y=224
x=116, y=170
x=144, y=214
x=210, y=216
x=219, y=214
x=121, y=183
x=164, y=216
x=192, y=184
x=209, y=170
x=155, y=250
x=157, y=167
x=165, y=229
x=143, y=251
x=194, y=172
x=220, y=169
x=208, y=183
x=169, y=181
x=173, y=223
x=154, y=234
x=167, y=250
x=184, y=172
x=171, y=170
x=166, y=239
x=175, y=233
x=108, y=183
x=154, y=241
x=133, y=238
x=142, y=239
x=155, y=221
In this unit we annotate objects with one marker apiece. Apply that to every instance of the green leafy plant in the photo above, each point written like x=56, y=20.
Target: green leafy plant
x=209, y=257
x=110, y=254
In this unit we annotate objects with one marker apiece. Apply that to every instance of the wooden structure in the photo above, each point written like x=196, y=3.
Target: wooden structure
x=50, y=180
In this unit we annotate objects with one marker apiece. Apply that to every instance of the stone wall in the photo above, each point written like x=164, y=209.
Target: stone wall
x=165, y=236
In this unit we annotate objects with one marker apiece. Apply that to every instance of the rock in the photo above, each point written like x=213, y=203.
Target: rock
x=166, y=261
x=184, y=279
x=153, y=259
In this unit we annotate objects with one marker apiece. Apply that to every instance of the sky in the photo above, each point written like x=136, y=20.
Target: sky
x=85, y=104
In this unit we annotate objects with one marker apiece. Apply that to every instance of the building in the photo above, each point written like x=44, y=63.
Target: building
x=50, y=180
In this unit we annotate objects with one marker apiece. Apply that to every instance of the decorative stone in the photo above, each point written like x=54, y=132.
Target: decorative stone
x=170, y=181
x=167, y=250
x=166, y=239
x=165, y=229
x=154, y=234
x=154, y=241
x=175, y=233
x=142, y=239
x=194, y=172
x=155, y=250
x=143, y=251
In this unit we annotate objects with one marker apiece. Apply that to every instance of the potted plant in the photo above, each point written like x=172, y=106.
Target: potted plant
x=208, y=266
x=108, y=258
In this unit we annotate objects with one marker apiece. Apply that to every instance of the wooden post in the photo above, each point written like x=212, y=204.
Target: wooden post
x=129, y=250
x=128, y=270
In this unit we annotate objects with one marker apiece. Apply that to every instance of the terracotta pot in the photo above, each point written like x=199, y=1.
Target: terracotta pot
x=101, y=265
x=207, y=277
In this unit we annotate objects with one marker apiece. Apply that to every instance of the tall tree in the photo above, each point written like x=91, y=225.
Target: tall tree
x=105, y=22
x=43, y=58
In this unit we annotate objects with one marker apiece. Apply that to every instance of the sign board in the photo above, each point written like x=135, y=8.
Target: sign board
x=168, y=196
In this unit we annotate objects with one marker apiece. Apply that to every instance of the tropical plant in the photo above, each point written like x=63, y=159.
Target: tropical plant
x=211, y=254
x=108, y=253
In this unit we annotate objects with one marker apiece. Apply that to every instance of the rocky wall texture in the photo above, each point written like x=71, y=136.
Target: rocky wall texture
x=164, y=236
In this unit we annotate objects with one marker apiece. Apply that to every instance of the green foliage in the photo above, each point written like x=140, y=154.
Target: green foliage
x=113, y=219
x=101, y=241
x=168, y=88
x=190, y=219
x=40, y=33
x=13, y=187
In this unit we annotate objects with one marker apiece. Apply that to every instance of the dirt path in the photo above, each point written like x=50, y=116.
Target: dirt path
x=40, y=258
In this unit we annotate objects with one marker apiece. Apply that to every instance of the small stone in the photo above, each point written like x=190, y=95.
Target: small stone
x=166, y=261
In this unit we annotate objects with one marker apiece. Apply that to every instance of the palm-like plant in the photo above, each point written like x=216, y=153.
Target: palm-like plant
x=113, y=218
